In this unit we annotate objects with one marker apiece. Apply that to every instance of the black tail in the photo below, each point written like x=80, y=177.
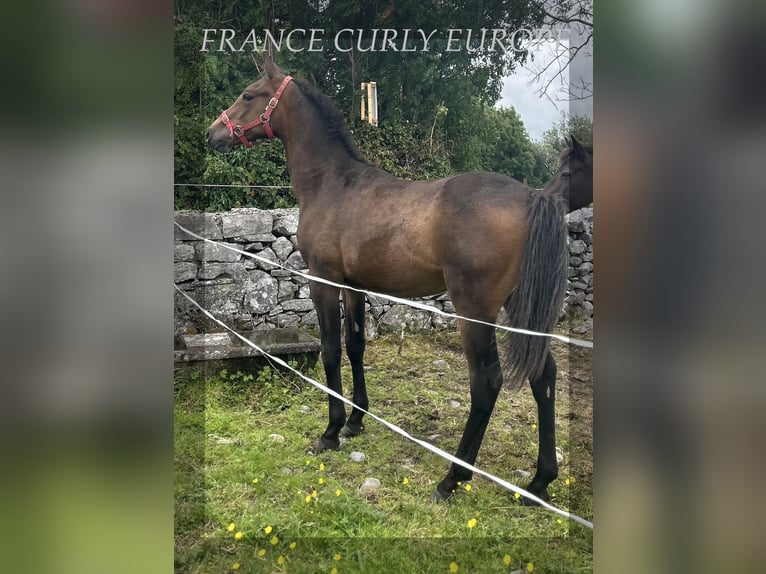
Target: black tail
x=536, y=302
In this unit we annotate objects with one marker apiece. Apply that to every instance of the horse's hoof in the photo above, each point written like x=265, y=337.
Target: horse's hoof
x=323, y=445
x=529, y=502
x=437, y=497
x=351, y=431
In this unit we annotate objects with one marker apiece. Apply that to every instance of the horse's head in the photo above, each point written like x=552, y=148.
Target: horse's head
x=574, y=178
x=253, y=116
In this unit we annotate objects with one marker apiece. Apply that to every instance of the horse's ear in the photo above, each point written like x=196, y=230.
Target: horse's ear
x=270, y=66
x=577, y=148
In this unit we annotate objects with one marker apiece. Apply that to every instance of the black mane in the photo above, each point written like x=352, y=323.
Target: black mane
x=330, y=115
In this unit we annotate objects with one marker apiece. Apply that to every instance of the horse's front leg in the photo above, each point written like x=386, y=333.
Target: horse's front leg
x=325, y=300
x=355, y=344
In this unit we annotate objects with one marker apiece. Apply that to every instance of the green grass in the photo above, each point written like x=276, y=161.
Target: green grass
x=229, y=471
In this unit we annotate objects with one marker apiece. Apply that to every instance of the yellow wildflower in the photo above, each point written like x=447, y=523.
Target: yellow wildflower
x=321, y=466
x=307, y=499
x=468, y=487
x=517, y=496
x=293, y=545
x=534, y=427
x=334, y=570
x=281, y=560
x=235, y=566
x=255, y=481
x=308, y=462
x=336, y=557
x=268, y=530
x=321, y=480
x=472, y=523
x=314, y=493
x=453, y=567
x=262, y=552
x=238, y=536
x=530, y=567
x=231, y=527
x=337, y=492
x=406, y=480
x=507, y=559
x=274, y=541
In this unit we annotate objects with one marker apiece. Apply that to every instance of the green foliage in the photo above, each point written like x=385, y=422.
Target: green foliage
x=435, y=106
x=397, y=149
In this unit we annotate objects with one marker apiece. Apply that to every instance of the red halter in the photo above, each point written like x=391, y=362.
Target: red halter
x=263, y=119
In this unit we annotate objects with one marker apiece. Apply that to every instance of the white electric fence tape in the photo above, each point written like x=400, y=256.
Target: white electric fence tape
x=415, y=304
x=393, y=427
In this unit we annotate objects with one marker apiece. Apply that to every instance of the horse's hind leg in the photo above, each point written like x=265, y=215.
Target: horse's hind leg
x=355, y=344
x=486, y=378
x=325, y=300
x=544, y=391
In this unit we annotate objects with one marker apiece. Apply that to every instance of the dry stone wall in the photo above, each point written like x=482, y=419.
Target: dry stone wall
x=248, y=294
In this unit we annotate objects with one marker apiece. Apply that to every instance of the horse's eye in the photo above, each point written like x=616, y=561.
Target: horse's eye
x=565, y=175
x=247, y=97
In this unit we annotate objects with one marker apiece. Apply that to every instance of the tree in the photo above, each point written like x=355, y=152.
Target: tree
x=558, y=137
x=564, y=73
x=435, y=105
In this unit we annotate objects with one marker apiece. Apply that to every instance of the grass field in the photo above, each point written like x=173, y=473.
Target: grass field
x=248, y=502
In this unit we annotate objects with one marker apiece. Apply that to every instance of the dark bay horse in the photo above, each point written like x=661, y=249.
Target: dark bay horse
x=577, y=167
x=485, y=238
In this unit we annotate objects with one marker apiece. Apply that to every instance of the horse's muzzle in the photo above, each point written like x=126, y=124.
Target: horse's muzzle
x=219, y=143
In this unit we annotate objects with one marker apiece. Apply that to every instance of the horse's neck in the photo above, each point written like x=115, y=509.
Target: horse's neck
x=314, y=157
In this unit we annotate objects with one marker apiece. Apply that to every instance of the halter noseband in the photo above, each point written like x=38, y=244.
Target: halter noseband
x=263, y=119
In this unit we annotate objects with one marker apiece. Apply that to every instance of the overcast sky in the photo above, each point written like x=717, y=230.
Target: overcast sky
x=538, y=112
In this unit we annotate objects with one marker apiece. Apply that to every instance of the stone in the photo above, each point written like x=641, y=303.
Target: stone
x=282, y=247
x=233, y=271
x=295, y=261
x=209, y=252
x=287, y=320
x=369, y=486
x=285, y=222
x=276, y=438
x=357, y=456
x=261, y=293
x=559, y=455
x=203, y=224
x=299, y=305
x=184, y=272
x=577, y=247
x=287, y=290
x=183, y=252
x=269, y=254
x=305, y=409
x=522, y=473
x=576, y=221
x=441, y=365
x=246, y=222
x=454, y=404
x=304, y=292
x=207, y=340
x=401, y=316
x=310, y=319
x=575, y=261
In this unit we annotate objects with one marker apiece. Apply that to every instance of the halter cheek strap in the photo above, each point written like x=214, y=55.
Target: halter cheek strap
x=264, y=119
